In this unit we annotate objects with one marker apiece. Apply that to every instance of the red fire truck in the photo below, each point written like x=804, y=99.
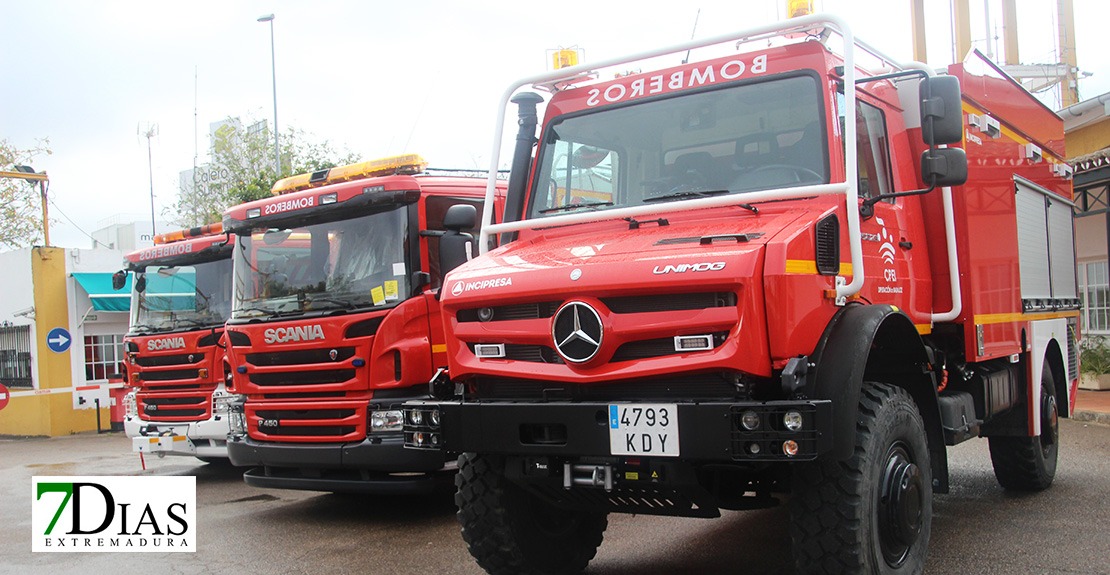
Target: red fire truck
x=180, y=299
x=335, y=323
x=790, y=265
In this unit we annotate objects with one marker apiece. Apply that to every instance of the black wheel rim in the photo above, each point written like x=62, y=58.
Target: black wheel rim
x=901, y=499
x=1049, y=424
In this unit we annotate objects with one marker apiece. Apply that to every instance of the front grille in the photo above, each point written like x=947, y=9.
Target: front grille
x=305, y=413
x=308, y=421
x=169, y=375
x=177, y=407
x=533, y=310
x=303, y=377
x=669, y=302
x=529, y=353
x=698, y=386
x=318, y=432
x=649, y=348
x=303, y=395
x=166, y=360
x=300, y=357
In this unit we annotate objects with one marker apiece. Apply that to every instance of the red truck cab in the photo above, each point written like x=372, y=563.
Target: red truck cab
x=181, y=297
x=792, y=264
x=336, y=323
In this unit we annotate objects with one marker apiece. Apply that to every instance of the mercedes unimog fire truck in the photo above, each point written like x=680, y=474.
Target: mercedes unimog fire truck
x=335, y=323
x=180, y=299
x=758, y=273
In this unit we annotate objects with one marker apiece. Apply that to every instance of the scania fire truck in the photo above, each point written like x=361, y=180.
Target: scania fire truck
x=793, y=264
x=335, y=323
x=180, y=299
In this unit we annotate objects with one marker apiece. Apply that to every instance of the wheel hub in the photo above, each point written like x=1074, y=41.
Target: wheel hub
x=1049, y=422
x=900, y=505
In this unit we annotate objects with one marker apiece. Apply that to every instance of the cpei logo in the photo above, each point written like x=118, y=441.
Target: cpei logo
x=113, y=514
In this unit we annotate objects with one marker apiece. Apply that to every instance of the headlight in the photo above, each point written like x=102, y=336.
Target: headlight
x=222, y=403
x=130, y=405
x=434, y=417
x=792, y=420
x=750, y=420
x=237, y=421
x=416, y=417
x=387, y=420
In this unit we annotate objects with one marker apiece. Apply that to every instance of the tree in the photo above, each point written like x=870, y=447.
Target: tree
x=242, y=169
x=20, y=200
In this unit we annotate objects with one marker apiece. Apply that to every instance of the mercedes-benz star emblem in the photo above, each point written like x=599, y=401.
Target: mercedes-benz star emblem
x=577, y=332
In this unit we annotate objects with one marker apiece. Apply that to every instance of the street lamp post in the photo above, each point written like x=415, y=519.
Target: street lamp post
x=273, y=68
x=28, y=173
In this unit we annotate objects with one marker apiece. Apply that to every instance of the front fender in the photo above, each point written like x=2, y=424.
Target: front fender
x=875, y=343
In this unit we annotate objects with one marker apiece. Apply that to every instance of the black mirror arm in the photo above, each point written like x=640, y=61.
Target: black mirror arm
x=867, y=208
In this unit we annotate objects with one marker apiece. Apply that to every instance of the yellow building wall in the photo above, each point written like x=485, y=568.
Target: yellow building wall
x=1088, y=139
x=52, y=413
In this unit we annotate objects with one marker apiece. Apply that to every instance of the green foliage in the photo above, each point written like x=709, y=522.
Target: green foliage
x=20, y=200
x=242, y=169
x=1094, y=358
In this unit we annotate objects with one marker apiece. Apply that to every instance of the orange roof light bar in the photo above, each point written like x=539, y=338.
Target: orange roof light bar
x=205, y=230
x=404, y=164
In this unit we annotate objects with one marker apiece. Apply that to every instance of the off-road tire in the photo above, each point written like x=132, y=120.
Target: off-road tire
x=509, y=531
x=839, y=522
x=1029, y=463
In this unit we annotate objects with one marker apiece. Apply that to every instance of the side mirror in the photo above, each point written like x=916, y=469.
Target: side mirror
x=140, y=284
x=119, y=279
x=944, y=167
x=942, y=119
x=455, y=245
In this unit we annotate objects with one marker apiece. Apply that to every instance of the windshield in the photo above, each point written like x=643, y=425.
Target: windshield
x=348, y=264
x=737, y=139
x=179, y=298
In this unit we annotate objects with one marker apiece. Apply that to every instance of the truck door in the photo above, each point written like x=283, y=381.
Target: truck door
x=895, y=275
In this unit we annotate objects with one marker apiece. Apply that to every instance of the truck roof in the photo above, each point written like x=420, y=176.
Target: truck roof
x=345, y=191
x=177, y=253
x=731, y=68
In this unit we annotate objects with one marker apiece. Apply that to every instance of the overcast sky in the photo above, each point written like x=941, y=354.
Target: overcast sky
x=375, y=78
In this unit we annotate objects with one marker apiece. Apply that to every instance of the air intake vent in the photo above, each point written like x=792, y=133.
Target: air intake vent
x=238, y=339
x=828, y=246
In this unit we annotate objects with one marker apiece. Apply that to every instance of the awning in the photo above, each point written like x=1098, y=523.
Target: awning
x=99, y=287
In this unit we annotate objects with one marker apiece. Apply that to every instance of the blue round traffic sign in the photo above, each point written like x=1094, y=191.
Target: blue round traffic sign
x=58, y=340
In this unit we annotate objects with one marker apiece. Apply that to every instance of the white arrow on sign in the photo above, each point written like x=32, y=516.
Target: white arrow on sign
x=59, y=339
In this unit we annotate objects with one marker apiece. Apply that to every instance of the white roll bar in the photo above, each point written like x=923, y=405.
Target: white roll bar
x=552, y=80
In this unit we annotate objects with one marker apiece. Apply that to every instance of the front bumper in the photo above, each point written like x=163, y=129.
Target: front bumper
x=206, y=438
x=378, y=464
x=707, y=431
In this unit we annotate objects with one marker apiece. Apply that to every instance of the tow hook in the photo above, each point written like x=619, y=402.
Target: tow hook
x=440, y=386
x=588, y=476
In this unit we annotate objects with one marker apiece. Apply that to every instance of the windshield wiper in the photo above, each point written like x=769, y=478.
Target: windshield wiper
x=576, y=206
x=324, y=299
x=697, y=194
x=685, y=194
x=189, y=321
x=265, y=312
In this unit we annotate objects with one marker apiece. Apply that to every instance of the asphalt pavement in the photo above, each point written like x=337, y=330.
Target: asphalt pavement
x=978, y=527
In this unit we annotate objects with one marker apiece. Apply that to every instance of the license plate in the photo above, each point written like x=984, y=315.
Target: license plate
x=643, y=429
